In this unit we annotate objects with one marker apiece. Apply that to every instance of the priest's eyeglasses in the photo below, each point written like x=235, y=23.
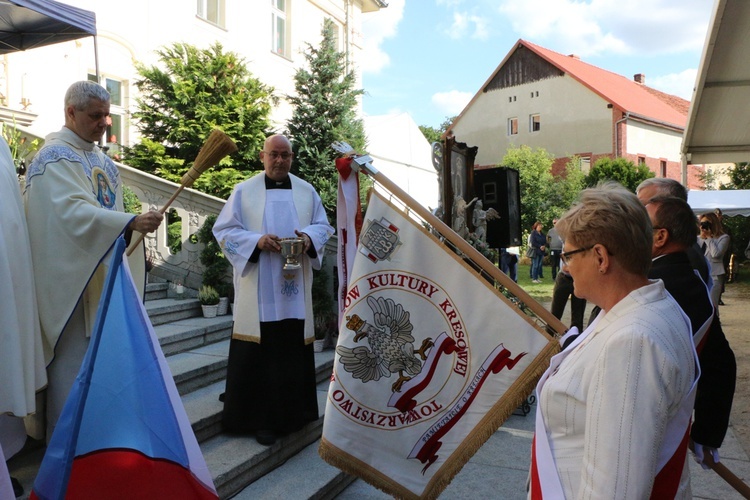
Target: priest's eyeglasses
x=565, y=256
x=275, y=155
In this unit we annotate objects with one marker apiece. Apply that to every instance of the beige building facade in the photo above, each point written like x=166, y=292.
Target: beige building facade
x=542, y=99
x=270, y=35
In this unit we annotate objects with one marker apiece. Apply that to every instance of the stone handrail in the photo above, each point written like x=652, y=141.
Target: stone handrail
x=191, y=206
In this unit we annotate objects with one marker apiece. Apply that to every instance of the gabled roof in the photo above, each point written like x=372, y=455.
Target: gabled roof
x=623, y=93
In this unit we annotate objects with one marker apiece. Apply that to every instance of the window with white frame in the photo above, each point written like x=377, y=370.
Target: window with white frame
x=279, y=27
x=512, y=126
x=585, y=164
x=212, y=11
x=115, y=135
x=535, y=123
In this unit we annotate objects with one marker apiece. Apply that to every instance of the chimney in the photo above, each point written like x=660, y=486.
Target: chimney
x=640, y=78
x=574, y=56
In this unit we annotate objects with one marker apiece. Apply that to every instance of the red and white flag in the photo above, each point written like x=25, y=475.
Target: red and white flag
x=430, y=360
x=348, y=224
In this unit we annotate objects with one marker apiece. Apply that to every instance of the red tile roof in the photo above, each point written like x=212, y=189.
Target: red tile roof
x=622, y=92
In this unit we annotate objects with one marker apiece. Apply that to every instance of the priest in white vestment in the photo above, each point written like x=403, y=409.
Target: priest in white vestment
x=271, y=372
x=72, y=229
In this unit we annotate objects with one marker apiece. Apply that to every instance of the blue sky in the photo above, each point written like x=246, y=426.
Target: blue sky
x=429, y=57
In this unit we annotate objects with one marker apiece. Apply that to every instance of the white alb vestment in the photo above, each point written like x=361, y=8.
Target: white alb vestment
x=618, y=404
x=74, y=210
x=22, y=368
x=250, y=212
x=21, y=361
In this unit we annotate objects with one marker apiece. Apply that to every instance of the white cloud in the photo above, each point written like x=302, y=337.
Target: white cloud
x=679, y=84
x=468, y=24
x=452, y=102
x=596, y=27
x=376, y=27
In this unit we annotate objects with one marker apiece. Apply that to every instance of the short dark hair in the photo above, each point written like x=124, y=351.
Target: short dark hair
x=676, y=216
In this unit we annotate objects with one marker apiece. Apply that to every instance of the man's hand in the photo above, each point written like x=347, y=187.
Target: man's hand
x=146, y=222
x=269, y=243
x=705, y=455
x=304, y=236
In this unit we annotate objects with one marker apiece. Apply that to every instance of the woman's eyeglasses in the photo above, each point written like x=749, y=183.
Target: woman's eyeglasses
x=565, y=256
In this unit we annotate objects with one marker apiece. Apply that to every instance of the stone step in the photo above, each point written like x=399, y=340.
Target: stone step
x=190, y=333
x=204, y=408
x=237, y=461
x=199, y=367
x=305, y=475
x=156, y=291
x=162, y=311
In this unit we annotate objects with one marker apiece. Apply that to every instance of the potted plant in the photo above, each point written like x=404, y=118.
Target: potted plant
x=209, y=299
x=215, y=264
x=323, y=305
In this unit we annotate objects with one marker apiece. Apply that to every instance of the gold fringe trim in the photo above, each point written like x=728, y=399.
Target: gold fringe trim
x=246, y=338
x=256, y=339
x=499, y=413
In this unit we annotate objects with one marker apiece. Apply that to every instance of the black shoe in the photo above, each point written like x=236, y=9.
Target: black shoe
x=17, y=488
x=721, y=302
x=265, y=437
x=221, y=397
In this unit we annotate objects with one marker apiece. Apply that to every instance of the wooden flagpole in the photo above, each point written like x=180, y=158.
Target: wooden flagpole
x=726, y=474
x=364, y=164
x=216, y=147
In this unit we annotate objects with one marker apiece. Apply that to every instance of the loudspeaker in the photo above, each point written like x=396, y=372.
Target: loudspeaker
x=498, y=188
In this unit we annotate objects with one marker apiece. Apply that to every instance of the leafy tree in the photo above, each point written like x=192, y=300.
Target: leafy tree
x=620, y=170
x=536, y=183
x=710, y=177
x=567, y=186
x=739, y=177
x=325, y=110
x=180, y=103
x=433, y=134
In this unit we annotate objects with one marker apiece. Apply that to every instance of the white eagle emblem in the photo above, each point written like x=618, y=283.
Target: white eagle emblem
x=391, y=345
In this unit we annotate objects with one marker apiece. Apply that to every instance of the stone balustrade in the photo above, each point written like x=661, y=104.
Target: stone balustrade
x=192, y=207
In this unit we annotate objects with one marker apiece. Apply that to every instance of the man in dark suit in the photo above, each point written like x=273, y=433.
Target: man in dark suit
x=675, y=231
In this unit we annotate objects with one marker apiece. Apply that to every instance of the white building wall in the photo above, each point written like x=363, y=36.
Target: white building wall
x=574, y=120
x=655, y=142
x=401, y=153
x=135, y=30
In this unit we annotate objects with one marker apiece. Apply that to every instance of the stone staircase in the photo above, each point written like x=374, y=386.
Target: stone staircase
x=196, y=349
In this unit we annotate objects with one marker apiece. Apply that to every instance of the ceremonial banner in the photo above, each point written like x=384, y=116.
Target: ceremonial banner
x=348, y=225
x=430, y=360
x=123, y=432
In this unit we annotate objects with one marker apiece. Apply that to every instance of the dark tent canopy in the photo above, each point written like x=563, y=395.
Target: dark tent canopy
x=27, y=24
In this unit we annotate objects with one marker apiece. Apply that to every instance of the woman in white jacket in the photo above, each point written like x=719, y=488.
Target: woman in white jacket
x=715, y=243
x=614, y=406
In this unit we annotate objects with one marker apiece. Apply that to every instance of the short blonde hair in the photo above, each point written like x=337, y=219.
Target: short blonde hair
x=612, y=216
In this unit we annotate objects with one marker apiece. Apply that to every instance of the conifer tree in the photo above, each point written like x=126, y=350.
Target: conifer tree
x=325, y=110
